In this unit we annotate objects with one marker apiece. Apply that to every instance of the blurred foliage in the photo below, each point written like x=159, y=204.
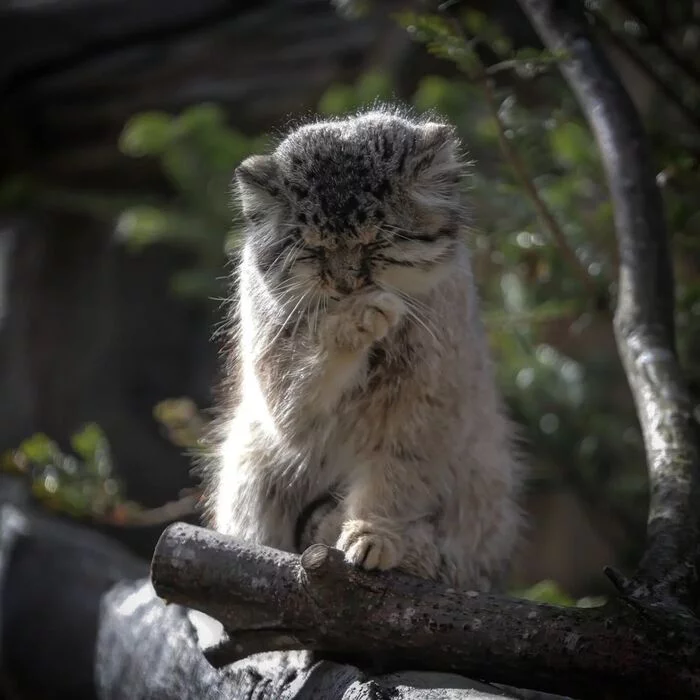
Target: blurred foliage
x=198, y=154
x=81, y=484
x=182, y=421
x=556, y=357
x=84, y=484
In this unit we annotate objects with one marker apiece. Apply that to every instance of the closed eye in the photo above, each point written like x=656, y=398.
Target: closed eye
x=417, y=253
x=445, y=232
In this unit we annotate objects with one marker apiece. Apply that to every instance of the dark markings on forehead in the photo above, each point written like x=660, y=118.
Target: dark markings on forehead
x=386, y=146
x=300, y=192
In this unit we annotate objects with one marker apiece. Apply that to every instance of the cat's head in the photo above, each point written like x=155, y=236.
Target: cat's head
x=339, y=206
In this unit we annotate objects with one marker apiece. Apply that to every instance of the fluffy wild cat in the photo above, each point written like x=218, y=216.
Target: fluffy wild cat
x=360, y=364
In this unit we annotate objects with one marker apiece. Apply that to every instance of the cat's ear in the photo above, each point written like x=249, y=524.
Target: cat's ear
x=437, y=165
x=257, y=180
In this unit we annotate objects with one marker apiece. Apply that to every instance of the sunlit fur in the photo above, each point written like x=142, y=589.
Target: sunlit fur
x=359, y=364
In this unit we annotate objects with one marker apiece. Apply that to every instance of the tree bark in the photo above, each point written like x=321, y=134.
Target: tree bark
x=644, y=318
x=270, y=600
x=80, y=620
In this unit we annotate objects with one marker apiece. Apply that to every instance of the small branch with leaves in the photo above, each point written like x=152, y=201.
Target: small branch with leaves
x=447, y=38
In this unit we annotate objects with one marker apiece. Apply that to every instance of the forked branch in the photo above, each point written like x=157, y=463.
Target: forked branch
x=644, y=327
x=272, y=601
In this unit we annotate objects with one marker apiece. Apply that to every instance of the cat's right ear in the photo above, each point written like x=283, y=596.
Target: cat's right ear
x=258, y=187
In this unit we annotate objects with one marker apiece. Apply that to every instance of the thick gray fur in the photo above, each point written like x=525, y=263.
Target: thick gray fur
x=359, y=364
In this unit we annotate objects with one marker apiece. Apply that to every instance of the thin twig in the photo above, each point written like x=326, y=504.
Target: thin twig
x=167, y=513
x=513, y=157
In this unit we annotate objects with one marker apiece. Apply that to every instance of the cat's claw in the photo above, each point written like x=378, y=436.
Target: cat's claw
x=368, y=547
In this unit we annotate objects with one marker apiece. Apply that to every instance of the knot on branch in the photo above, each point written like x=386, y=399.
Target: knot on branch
x=268, y=600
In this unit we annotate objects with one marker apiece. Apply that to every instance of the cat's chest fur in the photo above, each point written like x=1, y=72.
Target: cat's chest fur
x=363, y=420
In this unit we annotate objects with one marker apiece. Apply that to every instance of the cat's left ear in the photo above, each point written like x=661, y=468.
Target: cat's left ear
x=437, y=166
x=257, y=180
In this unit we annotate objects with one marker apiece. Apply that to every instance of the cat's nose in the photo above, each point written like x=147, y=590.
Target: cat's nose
x=360, y=282
x=344, y=286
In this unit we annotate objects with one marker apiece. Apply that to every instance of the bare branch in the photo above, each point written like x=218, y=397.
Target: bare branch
x=656, y=37
x=512, y=156
x=272, y=600
x=662, y=85
x=514, y=159
x=644, y=329
x=167, y=513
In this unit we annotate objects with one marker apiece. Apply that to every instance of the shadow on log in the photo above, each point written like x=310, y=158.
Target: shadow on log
x=271, y=600
x=81, y=621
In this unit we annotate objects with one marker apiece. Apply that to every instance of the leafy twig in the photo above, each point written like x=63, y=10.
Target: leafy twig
x=513, y=157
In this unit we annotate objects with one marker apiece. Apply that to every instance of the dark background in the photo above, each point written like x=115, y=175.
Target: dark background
x=108, y=308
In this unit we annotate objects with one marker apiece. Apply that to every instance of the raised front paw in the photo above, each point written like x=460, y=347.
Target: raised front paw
x=369, y=546
x=359, y=321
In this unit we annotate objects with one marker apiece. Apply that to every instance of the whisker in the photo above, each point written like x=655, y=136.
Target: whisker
x=283, y=325
x=285, y=251
x=417, y=310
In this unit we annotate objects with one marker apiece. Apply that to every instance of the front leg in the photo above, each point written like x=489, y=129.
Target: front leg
x=387, y=518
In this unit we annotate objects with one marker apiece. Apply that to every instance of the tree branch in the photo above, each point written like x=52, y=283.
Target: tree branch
x=691, y=117
x=655, y=37
x=272, y=600
x=644, y=329
x=513, y=157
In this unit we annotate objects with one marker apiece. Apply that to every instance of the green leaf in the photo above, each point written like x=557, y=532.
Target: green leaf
x=87, y=441
x=203, y=117
x=146, y=134
x=39, y=448
x=572, y=144
x=591, y=601
x=142, y=225
x=548, y=591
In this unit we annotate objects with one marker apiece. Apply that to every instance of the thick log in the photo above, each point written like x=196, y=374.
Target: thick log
x=79, y=619
x=271, y=600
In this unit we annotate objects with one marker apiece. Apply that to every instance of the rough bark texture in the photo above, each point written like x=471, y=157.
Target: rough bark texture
x=269, y=600
x=82, y=621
